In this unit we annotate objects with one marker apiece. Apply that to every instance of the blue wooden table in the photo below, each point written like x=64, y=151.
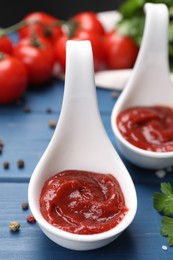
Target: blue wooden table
x=25, y=136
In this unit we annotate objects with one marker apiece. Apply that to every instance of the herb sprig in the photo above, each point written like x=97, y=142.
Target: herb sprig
x=133, y=20
x=163, y=203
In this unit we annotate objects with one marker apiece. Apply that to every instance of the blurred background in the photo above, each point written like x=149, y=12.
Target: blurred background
x=12, y=11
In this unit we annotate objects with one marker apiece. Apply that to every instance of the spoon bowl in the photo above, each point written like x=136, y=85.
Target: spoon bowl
x=80, y=142
x=149, y=85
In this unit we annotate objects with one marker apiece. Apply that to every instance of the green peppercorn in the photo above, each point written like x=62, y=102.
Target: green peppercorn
x=52, y=123
x=114, y=94
x=14, y=226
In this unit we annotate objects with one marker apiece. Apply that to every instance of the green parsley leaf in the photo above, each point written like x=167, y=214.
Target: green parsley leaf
x=163, y=202
x=133, y=27
x=167, y=229
x=166, y=188
x=130, y=7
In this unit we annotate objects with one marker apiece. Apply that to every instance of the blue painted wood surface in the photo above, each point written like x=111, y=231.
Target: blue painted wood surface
x=25, y=136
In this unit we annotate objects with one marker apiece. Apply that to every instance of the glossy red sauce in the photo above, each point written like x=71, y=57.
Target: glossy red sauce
x=149, y=128
x=82, y=202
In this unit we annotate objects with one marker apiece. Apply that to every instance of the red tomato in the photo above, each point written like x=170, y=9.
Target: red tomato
x=13, y=78
x=38, y=56
x=60, y=52
x=41, y=24
x=88, y=21
x=120, y=51
x=6, y=45
x=97, y=47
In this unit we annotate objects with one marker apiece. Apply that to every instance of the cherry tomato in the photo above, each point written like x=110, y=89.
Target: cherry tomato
x=6, y=45
x=120, y=51
x=41, y=24
x=38, y=56
x=88, y=21
x=60, y=52
x=13, y=78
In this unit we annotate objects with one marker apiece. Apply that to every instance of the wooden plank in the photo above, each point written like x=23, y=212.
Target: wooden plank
x=51, y=95
x=142, y=240
x=26, y=136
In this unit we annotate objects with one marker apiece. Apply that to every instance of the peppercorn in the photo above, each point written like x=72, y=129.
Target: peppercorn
x=19, y=101
x=1, y=144
x=14, y=226
x=49, y=110
x=30, y=218
x=27, y=109
x=20, y=164
x=6, y=165
x=25, y=205
x=52, y=123
x=114, y=94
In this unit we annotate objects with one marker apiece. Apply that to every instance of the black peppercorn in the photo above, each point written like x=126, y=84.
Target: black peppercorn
x=1, y=144
x=49, y=110
x=26, y=109
x=6, y=165
x=20, y=164
x=25, y=205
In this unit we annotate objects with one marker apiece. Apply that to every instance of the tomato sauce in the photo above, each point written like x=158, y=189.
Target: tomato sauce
x=149, y=128
x=82, y=202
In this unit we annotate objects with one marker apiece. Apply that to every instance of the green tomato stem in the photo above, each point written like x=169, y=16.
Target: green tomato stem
x=19, y=25
x=2, y=55
x=13, y=28
x=71, y=27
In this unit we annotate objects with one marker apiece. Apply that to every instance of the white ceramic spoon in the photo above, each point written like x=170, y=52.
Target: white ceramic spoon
x=149, y=84
x=80, y=142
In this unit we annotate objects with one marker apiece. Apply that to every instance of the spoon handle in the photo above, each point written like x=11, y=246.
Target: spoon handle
x=79, y=107
x=80, y=134
x=150, y=74
x=153, y=52
x=80, y=118
x=79, y=76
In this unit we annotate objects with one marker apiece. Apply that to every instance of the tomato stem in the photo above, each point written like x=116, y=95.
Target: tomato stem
x=19, y=25
x=71, y=27
x=2, y=55
x=35, y=41
x=57, y=23
x=13, y=28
